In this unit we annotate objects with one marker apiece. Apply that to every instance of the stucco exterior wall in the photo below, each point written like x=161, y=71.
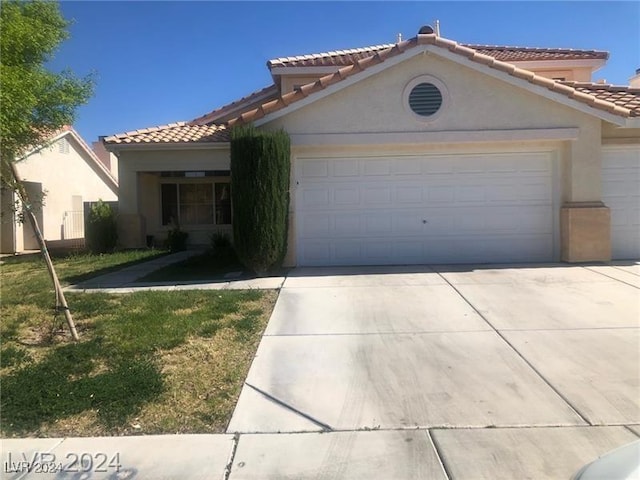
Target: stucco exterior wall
x=132, y=161
x=473, y=102
x=612, y=134
x=64, y=174
x=140, y=187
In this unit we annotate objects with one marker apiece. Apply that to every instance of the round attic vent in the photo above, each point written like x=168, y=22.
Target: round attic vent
x=425, y=99
x=425, y=30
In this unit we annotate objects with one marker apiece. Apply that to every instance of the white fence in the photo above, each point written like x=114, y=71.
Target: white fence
x=72, y=225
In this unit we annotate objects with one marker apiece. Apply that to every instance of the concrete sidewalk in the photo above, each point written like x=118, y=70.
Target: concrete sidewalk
x=126, y=279
x=434, y=454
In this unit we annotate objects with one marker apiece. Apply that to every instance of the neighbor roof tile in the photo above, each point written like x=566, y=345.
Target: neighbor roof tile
x=621, y=95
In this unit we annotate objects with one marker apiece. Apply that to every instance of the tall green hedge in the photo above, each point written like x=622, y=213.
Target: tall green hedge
x=260, y=169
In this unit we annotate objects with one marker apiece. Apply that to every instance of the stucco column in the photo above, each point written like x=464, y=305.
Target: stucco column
x=131, y=225
x=585, y=222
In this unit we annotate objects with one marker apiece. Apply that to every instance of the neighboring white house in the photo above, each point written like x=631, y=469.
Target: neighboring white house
x=423, y=151
x=65, y=173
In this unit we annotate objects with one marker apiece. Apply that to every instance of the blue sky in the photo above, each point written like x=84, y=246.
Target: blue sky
x=160, y=62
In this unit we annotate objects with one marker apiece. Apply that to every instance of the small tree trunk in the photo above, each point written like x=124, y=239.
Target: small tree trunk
x=45, y=253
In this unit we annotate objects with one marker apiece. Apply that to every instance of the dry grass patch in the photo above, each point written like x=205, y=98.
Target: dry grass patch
x=147, y=362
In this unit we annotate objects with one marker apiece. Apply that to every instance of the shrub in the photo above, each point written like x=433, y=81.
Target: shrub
x=260, y=169
x=101, y=234
x=177, y=240
x=221, y=250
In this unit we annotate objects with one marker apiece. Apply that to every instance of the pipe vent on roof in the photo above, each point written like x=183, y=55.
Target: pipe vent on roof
x=425, y=30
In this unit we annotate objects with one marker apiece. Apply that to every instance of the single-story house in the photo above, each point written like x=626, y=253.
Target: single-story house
x=62, y=175
x=421, y=151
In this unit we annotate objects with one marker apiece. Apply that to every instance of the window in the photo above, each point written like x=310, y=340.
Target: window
x=196, y=203
x=223, y=203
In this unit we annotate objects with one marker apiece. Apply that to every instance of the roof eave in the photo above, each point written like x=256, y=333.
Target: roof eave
x=632, y=122
x=119, y=147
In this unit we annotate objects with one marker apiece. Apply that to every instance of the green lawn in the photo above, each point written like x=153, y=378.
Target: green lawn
x=147, y=362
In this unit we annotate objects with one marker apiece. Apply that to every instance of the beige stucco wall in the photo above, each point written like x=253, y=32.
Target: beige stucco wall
x=473, y=102
x=140, y=186
x=612, y=134
x=476, y=101
x=63, y=176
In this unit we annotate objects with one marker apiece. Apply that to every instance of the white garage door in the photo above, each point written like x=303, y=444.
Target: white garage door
x=429, y=209
x=621, y=193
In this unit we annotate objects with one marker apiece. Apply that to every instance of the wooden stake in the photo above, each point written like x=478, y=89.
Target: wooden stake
x=45, y=252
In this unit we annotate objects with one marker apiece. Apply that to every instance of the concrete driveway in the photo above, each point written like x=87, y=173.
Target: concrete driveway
x=456, y=372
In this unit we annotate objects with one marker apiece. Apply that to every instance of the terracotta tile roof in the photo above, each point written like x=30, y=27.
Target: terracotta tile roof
x=180, y=132
x=226, y=112
x=621, y=95
x=502, y=53
x=622, y=101
x=529, y=54
x=399, y=48
x=328, y=59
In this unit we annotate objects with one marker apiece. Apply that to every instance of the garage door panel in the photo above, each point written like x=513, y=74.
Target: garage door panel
x=315, y=252
x=502, y=193
x=315, y=168
x=621, y=193
x=346, y=168
x=442, y=194
x=378, y=250
x=435, y=209
x=377, y=195
x=376, y=167
x=379, y=223
x=408, y=224
x=407, y=166
x=316, y=197
x=409, y=194
x=534, y=191
x=346, y=251
x=470, y=193
x=346, y=196
x=347, y=224
x=316, y=225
